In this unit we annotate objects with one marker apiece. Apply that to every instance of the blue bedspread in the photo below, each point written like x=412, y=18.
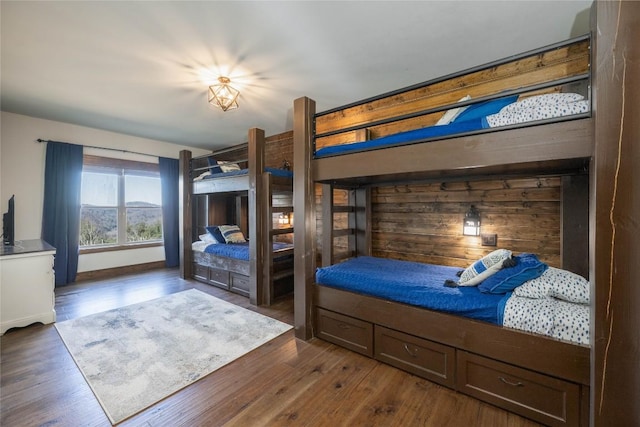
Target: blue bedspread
x=415, y=135
x=240, y=250
x=412, y=283
x=273, y=171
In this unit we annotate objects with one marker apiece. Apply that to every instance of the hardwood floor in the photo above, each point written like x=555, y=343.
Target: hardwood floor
x=284, y=382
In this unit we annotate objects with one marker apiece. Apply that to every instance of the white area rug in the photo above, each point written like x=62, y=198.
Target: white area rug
x=134, y=356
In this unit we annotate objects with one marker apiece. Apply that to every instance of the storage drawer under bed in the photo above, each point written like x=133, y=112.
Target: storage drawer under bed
x=345, y=331
x=545, y=399
x=427, y=359
x=239, y=284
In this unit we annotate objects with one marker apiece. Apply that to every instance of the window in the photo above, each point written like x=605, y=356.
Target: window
x=121, y=203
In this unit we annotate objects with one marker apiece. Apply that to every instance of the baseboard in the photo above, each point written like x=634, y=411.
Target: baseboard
x=119, y=271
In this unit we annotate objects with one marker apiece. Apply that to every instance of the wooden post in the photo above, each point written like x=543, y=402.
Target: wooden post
x=304, y=206
x=615, y=202
x=256, y=217
x=185, y=215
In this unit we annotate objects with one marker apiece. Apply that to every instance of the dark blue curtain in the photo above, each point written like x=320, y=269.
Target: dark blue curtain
x=61, y=207
x=169, y=177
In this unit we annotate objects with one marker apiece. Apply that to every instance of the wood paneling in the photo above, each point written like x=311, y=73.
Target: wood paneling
x=423, y=222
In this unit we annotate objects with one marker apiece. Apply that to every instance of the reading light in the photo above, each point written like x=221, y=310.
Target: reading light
x=222, y=95
x=283, y=219
x=471, y=222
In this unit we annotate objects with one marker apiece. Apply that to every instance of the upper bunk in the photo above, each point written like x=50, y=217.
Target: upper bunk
x=525, y=114
x=233, y=169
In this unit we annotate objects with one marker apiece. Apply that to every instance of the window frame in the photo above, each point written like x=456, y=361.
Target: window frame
x=120, y=167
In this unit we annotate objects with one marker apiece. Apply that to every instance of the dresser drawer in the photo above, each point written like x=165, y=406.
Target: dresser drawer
x=354, y=334
x=545, y=399
x=427, y=359
x=239, y=284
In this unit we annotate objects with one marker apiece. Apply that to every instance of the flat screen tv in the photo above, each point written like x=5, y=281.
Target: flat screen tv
x=8, y=224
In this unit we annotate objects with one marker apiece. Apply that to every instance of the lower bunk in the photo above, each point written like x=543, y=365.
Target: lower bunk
x=540, y=377
x=227, y=266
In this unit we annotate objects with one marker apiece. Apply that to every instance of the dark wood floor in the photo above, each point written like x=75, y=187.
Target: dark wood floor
x=284, y=382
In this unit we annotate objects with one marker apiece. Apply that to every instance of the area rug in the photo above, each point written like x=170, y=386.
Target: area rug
x=135, y=356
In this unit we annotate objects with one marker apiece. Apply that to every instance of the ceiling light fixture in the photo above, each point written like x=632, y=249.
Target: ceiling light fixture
x=223, y=96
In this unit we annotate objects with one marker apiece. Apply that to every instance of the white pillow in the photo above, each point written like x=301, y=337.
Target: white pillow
x=451, y=114
x=207, y=238
x=484, y=267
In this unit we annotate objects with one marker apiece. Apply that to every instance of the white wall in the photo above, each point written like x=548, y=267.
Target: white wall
x=22, y=173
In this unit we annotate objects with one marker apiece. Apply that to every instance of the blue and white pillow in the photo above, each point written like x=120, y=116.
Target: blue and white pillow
x=484, y=267
x=527, y=267
x=214, y=231
x=232, y=234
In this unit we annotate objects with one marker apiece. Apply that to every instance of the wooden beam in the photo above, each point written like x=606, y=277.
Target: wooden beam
x=185, y=215
x=615, y=203
x=256, y=218
x=304, y=206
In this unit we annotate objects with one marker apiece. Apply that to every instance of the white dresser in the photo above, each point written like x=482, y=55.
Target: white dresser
x=27, y=284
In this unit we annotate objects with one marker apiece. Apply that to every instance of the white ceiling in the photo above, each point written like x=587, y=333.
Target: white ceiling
x=142, y=67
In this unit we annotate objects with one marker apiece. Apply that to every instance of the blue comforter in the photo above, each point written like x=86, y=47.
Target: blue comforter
x=416, y=135
x=240, y=250
x=413, y=283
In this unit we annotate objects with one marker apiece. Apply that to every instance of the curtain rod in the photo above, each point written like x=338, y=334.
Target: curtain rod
x=99, y=148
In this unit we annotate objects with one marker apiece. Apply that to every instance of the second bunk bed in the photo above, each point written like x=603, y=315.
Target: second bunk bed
x=237, y=217
x=521, y=121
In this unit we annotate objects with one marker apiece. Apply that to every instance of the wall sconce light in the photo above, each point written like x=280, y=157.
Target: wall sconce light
x=222, y=95
x=471, y=222
x=284, y=218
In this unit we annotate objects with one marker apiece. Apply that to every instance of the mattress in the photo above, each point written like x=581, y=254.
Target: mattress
x=412, y=283
x=236, y=250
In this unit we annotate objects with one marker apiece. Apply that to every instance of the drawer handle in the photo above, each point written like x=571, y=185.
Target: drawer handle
x=511, y=383
x=411, y=353
x=343, y=326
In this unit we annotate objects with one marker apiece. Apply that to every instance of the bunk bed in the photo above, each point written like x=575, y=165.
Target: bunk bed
x=409, y=135
x=244, y=195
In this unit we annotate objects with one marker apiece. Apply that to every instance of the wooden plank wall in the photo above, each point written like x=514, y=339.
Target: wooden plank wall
x=423, y=222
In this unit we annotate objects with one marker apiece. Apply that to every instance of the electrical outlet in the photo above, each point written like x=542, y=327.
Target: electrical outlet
x=489, y=239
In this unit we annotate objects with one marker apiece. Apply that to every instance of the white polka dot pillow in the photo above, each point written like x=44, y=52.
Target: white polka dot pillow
x=542, y=100
x=557, y=283
x=483, y=268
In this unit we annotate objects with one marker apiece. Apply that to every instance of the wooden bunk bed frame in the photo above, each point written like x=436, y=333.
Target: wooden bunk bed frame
x=538, y=377
x=257, y=277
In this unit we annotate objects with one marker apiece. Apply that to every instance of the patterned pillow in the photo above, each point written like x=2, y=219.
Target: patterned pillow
x=483, y=268
x=557, y=283
x=228, y=166
x=527, y=267
x=232, y=234
x=540, y=100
